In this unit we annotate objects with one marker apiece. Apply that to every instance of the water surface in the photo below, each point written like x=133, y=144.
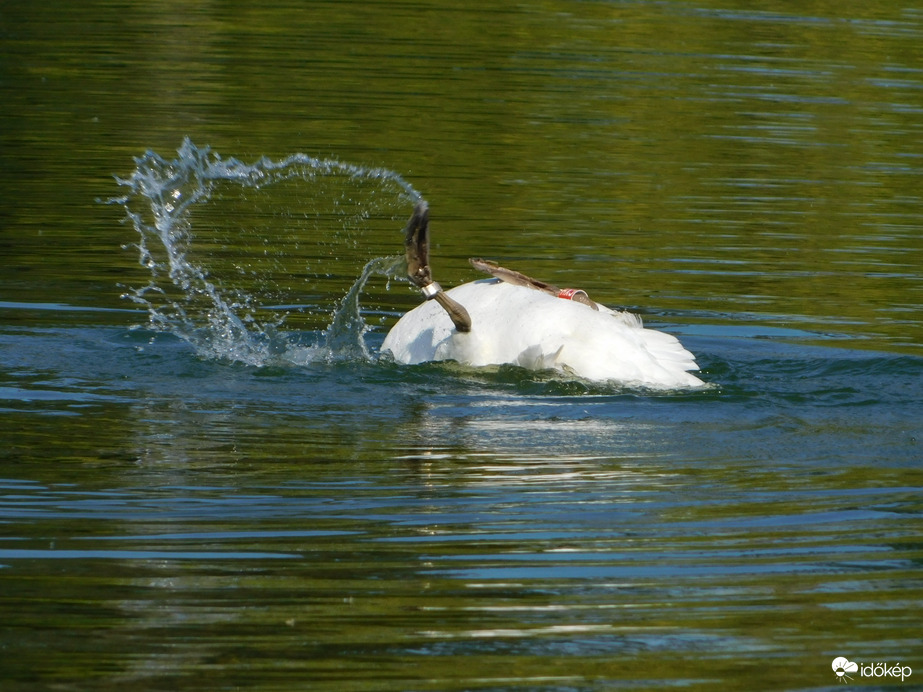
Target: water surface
x=209, y=480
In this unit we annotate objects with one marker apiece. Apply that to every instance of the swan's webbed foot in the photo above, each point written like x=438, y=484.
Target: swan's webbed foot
x=416, y=248
x=513, y=277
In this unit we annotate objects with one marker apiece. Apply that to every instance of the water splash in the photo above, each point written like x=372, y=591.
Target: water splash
x=224, y=256
x=344, y=336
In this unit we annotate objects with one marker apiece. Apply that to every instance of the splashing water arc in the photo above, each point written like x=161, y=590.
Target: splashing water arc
x=228, y=246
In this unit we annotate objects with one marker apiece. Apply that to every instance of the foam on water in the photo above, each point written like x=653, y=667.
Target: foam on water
x=231, y=320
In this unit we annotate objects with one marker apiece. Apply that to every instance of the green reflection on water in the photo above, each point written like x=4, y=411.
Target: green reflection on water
x=669, y=157
x=704, y=162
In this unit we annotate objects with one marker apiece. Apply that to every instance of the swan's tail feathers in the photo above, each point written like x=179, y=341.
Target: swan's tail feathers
x=667, y=350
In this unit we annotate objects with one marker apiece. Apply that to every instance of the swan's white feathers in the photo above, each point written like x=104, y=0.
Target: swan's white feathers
x=522, y=326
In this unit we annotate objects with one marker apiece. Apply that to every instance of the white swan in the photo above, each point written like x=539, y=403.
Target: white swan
x=494, y=322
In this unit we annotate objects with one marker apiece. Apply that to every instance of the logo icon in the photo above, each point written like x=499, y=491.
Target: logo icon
x=841, y=666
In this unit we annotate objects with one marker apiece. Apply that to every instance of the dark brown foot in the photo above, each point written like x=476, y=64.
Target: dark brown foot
x=513, y=277
x=416, y=249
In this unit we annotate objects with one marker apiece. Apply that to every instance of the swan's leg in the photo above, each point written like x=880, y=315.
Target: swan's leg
x=416, y=247
x=513, y=277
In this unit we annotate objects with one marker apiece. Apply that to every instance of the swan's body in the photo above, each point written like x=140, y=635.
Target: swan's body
x=517, y=325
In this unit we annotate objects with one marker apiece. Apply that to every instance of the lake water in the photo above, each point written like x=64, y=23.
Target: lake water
x=208, y=478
